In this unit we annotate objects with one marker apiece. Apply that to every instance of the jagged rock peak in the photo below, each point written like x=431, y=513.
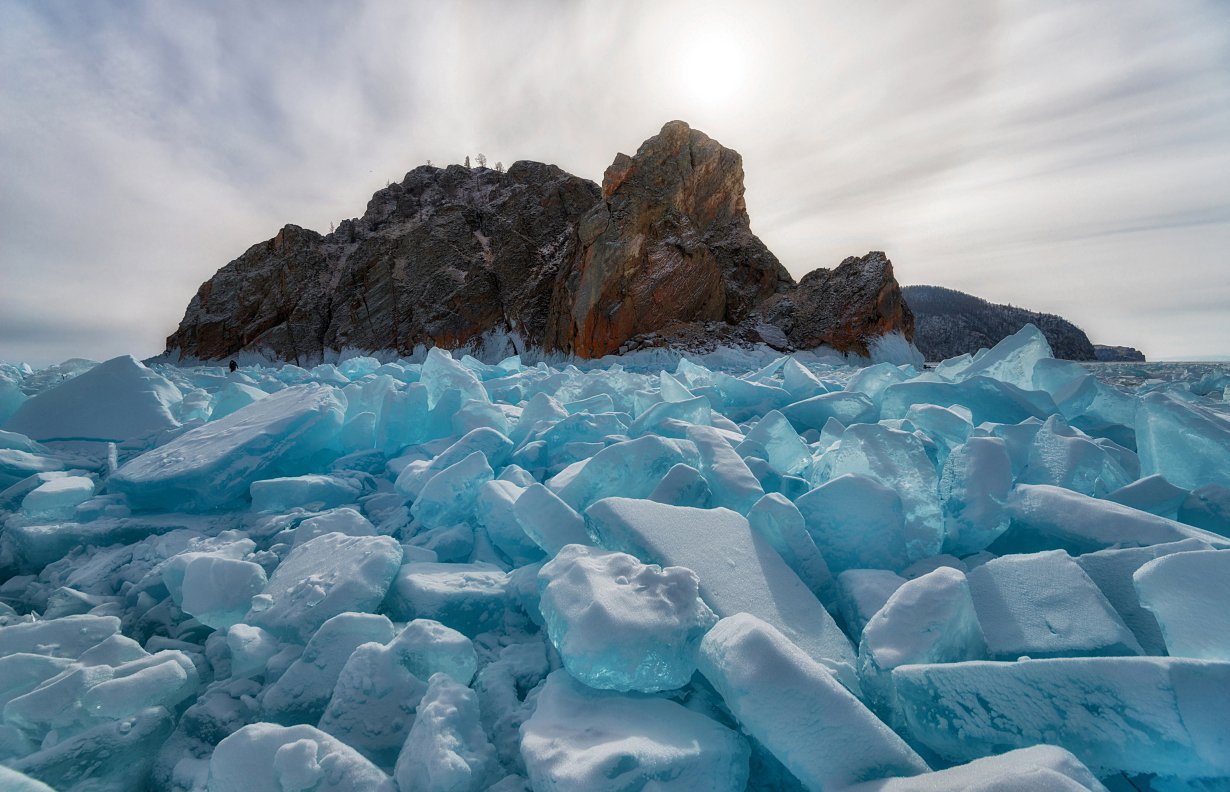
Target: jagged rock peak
x=669, y=241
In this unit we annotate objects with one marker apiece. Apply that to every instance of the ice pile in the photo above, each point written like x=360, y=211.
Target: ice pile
x=738, y=572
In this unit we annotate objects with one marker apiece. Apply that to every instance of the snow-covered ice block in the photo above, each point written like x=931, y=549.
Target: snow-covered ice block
x=426, y=647
x=213, y=465
x=470, y=598
x=795, y=708
x=1189, y=595
x=897, y=460
x=731, y=484
x=447, y=749
x=493, y=510
x=715, y=544
x=1132, y=714
x=1041, y=767
x=600, y=741
x=1112, y=571
x=250, y=649
x=218, y=591
x=1044, y=605
x=780, y=522
x=67, y=637
x=496, y=448
x=115, y=401
x=930, y=619
x=264, y=756
x=856, y=522
x=1045, y=517
x=622, y=625
x=58, y=498
x=547, y=520
x=233, y=396
x=974, y=487
x=13, y=781
x=630, y=469
x=343, y=520
x=1187, y=443
x=302, y=692
x=111, y=757
x=373, y=703
x=314, y=491
x=861, y=593
x=328, y=575
x=449, y=496
x=16, y=465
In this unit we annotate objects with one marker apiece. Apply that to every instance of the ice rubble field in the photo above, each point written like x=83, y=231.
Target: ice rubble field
x=1001, y=574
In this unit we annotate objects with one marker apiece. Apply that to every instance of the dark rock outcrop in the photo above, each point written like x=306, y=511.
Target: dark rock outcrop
x=948, y=323
x=448, y=257
x=1117, y=354
x=536, y=258
x=843, y=307
x=670, y=240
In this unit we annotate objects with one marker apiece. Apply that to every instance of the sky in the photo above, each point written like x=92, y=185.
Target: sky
x=1070, y=156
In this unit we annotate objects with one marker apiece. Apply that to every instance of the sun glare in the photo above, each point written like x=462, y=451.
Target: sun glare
x=712, y=68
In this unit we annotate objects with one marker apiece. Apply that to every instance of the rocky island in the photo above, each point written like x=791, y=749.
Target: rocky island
x=535, y=258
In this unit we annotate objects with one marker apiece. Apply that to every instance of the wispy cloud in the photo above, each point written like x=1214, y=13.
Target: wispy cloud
x=1061, y=154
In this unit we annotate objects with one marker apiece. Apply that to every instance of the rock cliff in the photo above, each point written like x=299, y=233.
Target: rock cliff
x=535, y=258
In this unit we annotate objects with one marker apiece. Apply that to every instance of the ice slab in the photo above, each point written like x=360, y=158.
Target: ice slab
x=111, y=757
x=343, y=520
x=547, y=520
x=897, y=460
x=856, y=522
x=1187, y=443
x=1153, y=494
x=784, y=450
x=794, y=707
x=711, y=543
x=213, y=465
x=1045, y=517
x=731, y=484
x=319, y=579
x=218, y=591
x=66, y=637
x=599, y=741
x=1068, y=458
x=974, y=486
x=1041, y=767
x=470, y=598
x=115, y=401
x=449, y=496
x=1044, y=605
x=930, y=619
x=1189, y=595
x=619, y=624
x=315, y=492
x=847, y=407
x=986, y=399
x=1116, y=714
x=861, y=593
x=780, y=522
x=1013, y=359
x=265, y=756
x=447, y=749
x=302, y=692
x=58, y=498
x=1112, y=571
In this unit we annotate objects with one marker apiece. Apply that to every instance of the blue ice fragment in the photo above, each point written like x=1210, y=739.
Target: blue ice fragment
x=1153, y=494
x=1189, y=595
x=785, y=450
x=313, y=491
x=1208, y=508
x=899, y=461
x=449, y=496
x=1069, y=458
x=1036, y=768
x=214, y=465
x=777, y=520
x=987, y=399
x=683, y=485
x=631, y=468
x=441, y=373
x=731, y=484
x=1186, y=442
x=794, y=707
x=547, y=520
x=470, y=598
x=856, y=522
x=446, y=749
x=846, y=407
x=974, y=487
x=861, y=593
x=1116, y=714
x=1044, y=605
x=619, y=624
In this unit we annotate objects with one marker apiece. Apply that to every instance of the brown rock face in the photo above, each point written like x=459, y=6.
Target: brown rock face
x=535, y=258
x=843, y=308
x=669, y=241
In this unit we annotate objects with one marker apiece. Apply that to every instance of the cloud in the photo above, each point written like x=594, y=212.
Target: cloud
x=1067, y=156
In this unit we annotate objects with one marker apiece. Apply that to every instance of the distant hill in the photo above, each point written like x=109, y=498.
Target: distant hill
x=948, y=323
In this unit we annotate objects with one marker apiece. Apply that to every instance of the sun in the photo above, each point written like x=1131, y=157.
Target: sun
x=712, y=68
